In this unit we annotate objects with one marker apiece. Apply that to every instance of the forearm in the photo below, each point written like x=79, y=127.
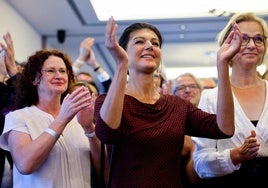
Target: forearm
x=29, y=155
x=111, y=110
x=209, y=161
x=77, y=65
x=95, y=152
x=102, y=75
x=12, y=71
x=225, y=104
x=191, y=173
x=2, y=78
x=94, y=142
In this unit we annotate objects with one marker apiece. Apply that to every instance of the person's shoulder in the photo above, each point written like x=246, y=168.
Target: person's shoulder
x=25, y=109
x=13, y=112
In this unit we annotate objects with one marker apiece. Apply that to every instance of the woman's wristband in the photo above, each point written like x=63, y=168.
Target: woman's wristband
x=79, y=62
x=97, y=68
x=90, y=135
x=52, y=133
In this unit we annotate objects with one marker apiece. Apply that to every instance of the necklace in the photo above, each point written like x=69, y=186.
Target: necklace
x=248, y=87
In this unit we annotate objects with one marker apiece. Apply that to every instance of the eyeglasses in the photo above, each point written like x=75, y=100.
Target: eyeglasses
x=258, y=40
x=52, y=71
x=183, y=87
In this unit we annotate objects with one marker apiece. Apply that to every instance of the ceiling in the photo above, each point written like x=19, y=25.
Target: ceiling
x=188, y=42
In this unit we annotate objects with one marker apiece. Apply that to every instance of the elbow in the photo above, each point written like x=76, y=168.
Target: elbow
x=25, y=171
x=226, y=125
x=230, y=130
x=25, y=168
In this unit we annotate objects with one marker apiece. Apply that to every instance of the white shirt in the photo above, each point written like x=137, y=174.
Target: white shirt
x=212, y=157
x=68, y=164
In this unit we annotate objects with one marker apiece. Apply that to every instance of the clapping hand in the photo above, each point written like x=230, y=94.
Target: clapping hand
x=9, y=55
x=3, y=70
x=86, y=116
x=86, y=54
x=73, y=103
x=250, y=147
x=111, y=43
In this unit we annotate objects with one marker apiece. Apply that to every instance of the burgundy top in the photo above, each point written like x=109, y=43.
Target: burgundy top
x=148, y=143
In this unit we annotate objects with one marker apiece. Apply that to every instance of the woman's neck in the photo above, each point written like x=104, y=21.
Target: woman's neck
x=49, y=106
x=245, y=79
x=143, y=93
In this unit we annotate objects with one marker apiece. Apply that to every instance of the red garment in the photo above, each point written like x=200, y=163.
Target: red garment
x=148, y=144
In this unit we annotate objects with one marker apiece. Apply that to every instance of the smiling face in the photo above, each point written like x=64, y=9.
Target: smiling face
x=188, y=89
x=54, y=79
x=250, y=53
x=144, y=51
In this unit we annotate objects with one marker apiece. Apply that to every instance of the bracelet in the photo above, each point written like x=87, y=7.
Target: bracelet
x=52, y=133
x=79, y=62
x=90, y=135
x=75, y=69
x=97, y=68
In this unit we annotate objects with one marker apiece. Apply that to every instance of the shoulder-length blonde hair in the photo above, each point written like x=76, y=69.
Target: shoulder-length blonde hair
x=243, y=17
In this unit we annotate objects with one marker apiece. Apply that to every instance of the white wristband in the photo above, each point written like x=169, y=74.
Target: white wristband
x=75, y=69
x=52, y=133
x=90, y=135
x=79, y=62
x=77, y=65
x=102, y=77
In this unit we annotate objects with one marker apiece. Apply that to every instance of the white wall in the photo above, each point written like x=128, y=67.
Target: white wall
x=25, y=39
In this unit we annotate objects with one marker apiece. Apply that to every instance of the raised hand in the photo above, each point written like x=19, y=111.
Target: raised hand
x=231, y=45
x=9, y=55
x=3, y=70
x=111, y=43
x=86, y=54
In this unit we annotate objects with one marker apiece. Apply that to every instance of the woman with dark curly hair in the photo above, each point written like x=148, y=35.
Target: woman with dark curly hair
x=51, y=135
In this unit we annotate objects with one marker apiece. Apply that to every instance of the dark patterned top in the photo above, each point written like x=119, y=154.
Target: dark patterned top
x=148, y=145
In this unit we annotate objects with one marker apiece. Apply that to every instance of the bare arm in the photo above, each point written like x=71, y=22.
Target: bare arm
x=225, y=105
x=30, y=154
x=86, y=119
x=187, y=151
x=3, y=70
x=87, y=55
x=111, y=110
x=7, y=58
x=9, y=55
